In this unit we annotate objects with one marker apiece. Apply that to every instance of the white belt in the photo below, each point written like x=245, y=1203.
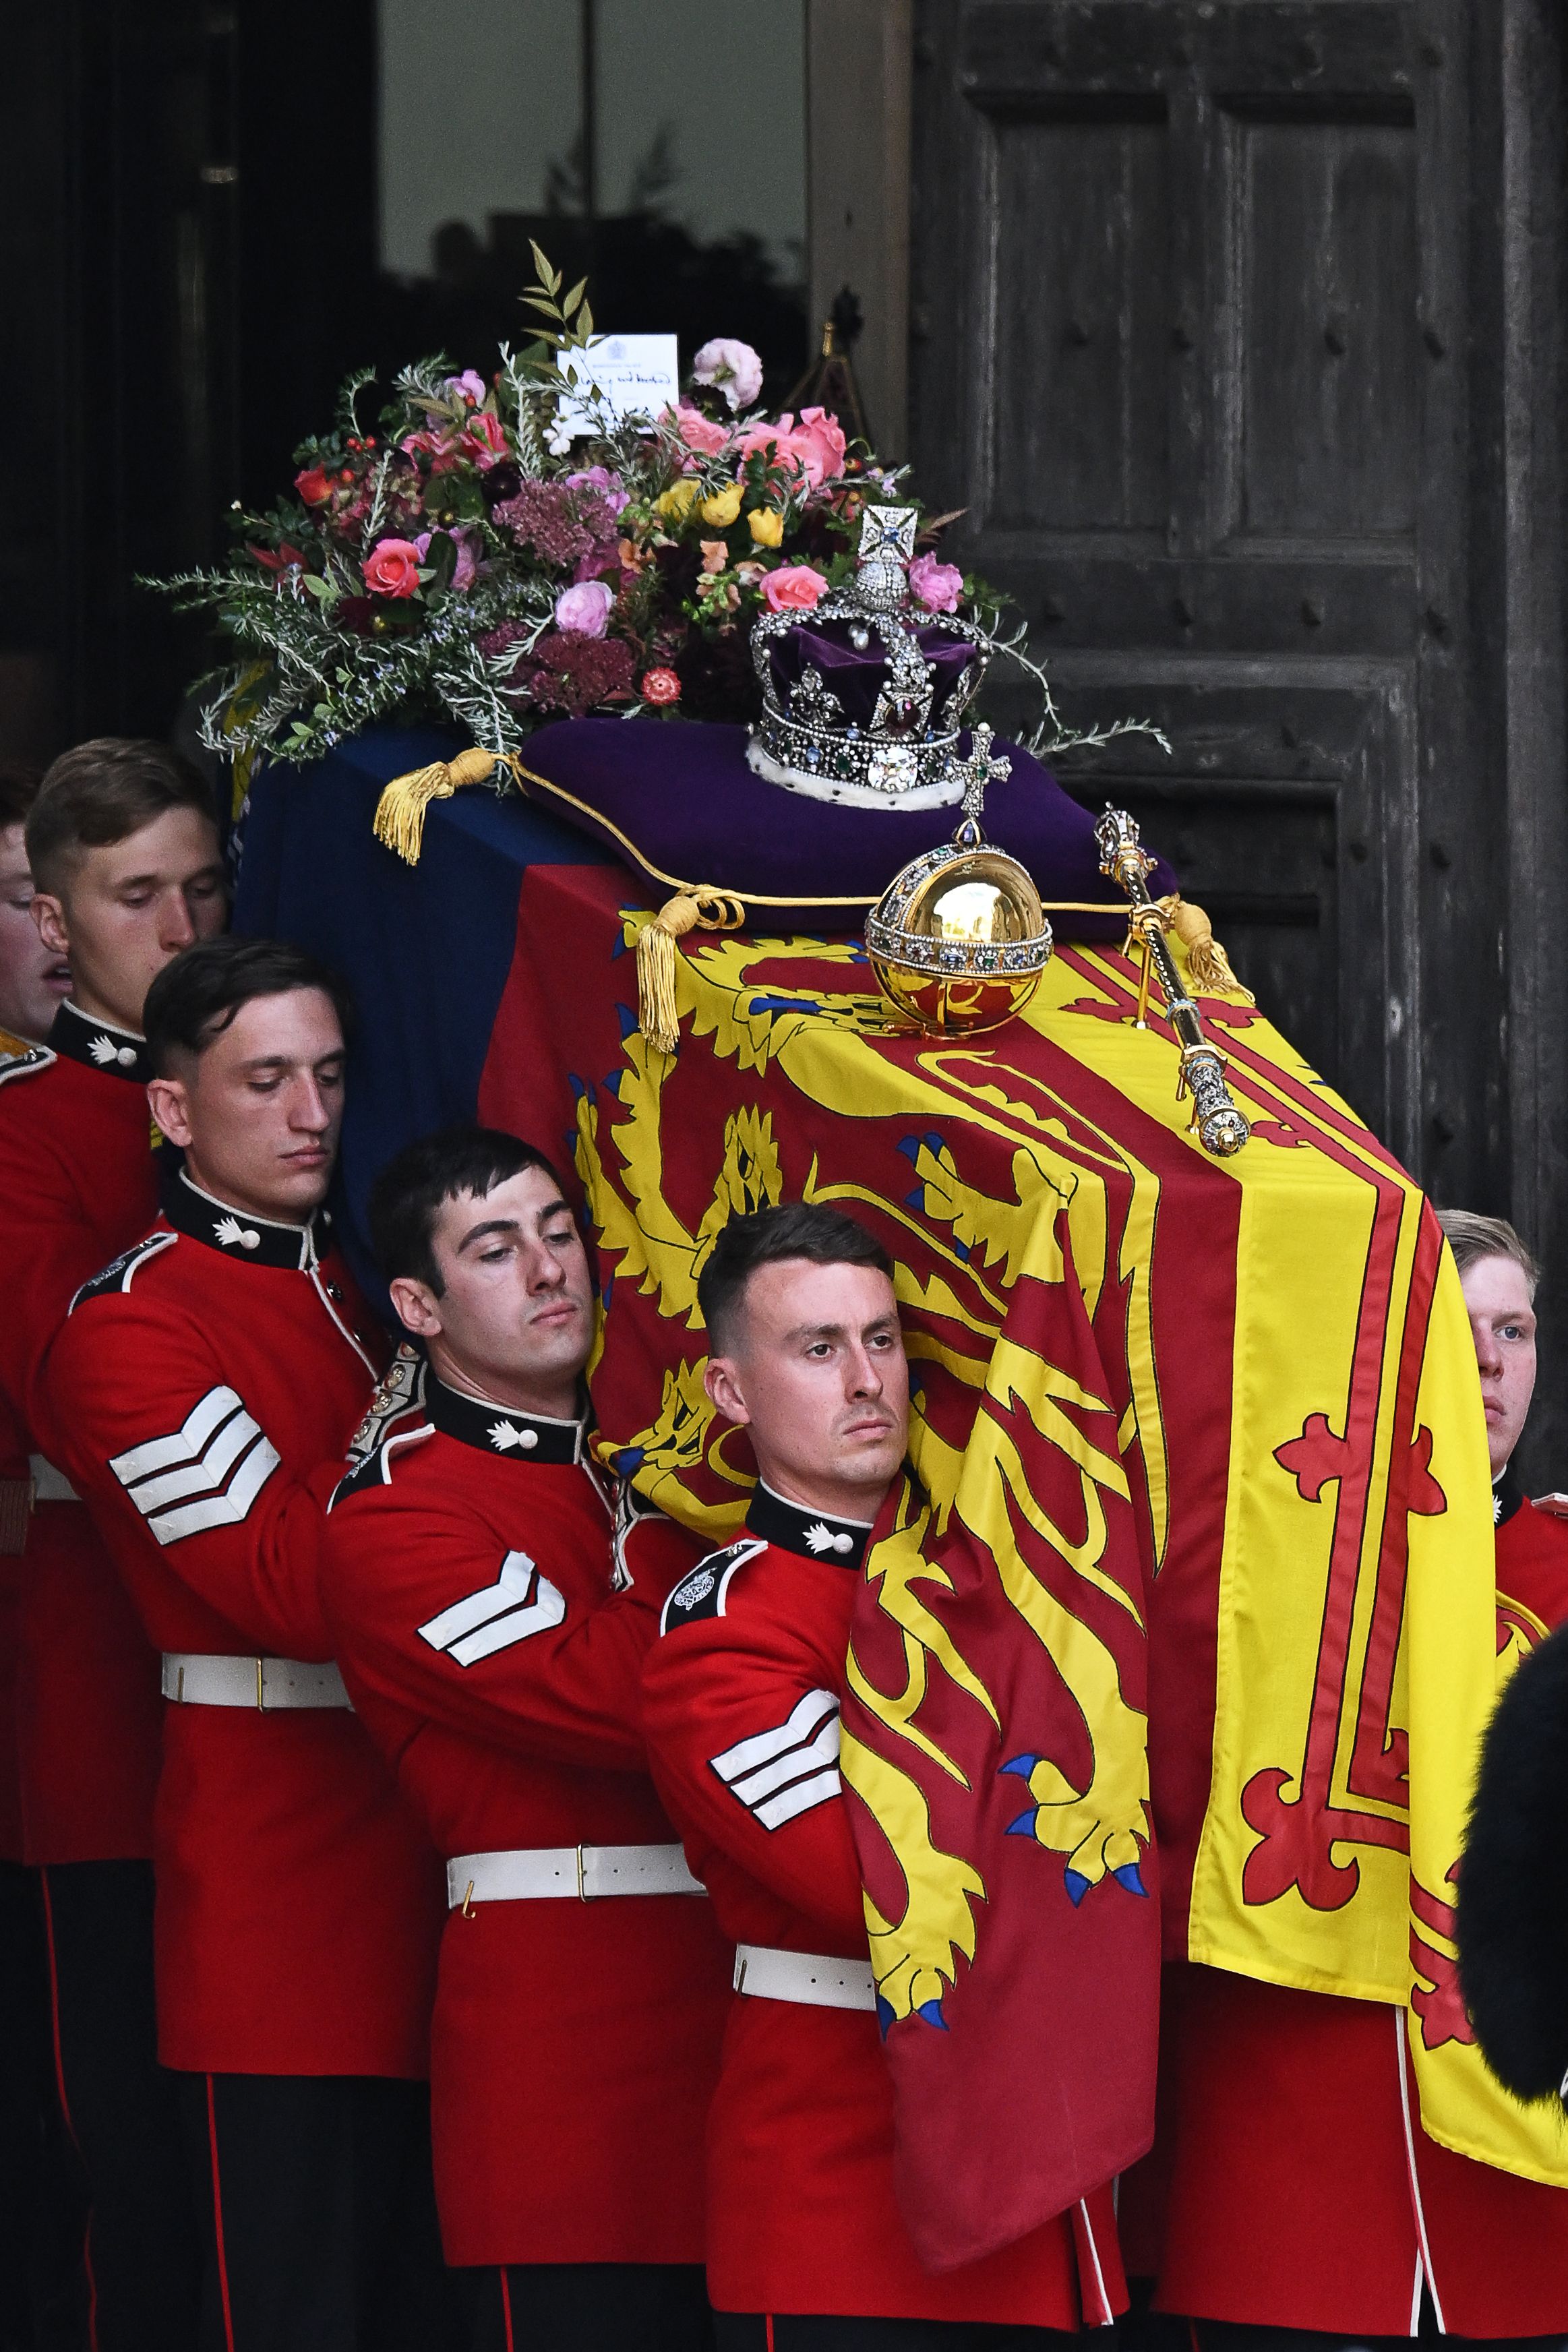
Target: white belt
x=194, y=1680
x=814, y=1978
x=50, y=1484
x=584, y=1873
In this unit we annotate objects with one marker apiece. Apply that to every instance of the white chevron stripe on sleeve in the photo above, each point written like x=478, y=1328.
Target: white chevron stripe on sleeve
x=492, y=1619
x=205, y=1473
x=782, y=1773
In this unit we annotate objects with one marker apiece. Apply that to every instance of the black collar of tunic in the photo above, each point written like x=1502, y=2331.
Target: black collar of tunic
x=497, y=1428
x=99, y=1045
x=1507, y=1494
x=239, y=1237
x=841, y=1542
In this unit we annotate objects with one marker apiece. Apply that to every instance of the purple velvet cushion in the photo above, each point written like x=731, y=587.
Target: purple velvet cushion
x=677, y=802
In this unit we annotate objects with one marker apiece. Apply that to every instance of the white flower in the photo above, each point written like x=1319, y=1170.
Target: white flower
x=228, y=1231
x=733, y=367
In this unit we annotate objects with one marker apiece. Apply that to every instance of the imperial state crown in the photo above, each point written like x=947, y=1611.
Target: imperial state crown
x=863, y=697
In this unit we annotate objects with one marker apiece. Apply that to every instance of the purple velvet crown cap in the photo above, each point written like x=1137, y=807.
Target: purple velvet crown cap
x=858, y=677
x=677, y=802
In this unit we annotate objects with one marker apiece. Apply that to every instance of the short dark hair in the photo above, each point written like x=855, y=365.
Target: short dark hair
x=797, y=1229
x=1472, y=1237
x=19, y=782
x=406, y=1197
x=195, y=997
x=100, y=793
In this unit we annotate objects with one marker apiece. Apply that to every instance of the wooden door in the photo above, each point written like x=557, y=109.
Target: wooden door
x=1190, y=314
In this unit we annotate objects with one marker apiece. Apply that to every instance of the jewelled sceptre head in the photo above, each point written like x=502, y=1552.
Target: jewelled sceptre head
x=1217, y=1122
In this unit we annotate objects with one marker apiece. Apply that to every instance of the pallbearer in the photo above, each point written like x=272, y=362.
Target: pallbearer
x=123, y=851
x=807, y=2249
x=206, y=1382
x=493, y=1595
x=1300, y=2192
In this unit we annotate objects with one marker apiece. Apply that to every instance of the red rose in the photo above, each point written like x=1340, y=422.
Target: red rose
x=392, y=568
x=659, y=685
x=314, y=485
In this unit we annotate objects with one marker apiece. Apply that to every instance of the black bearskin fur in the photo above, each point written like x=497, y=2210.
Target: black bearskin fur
x=1512, y=1909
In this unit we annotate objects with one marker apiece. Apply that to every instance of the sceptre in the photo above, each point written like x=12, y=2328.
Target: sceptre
x=1217, y=1122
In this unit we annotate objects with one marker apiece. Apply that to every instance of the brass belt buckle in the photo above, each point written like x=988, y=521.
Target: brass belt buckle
x=583, y=1893
x=262, y=1685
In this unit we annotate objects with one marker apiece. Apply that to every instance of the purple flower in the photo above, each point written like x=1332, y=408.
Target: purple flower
x=471, y=387
x=466, y=541
x=599, y=478
x=583, y=609
x=937, y=586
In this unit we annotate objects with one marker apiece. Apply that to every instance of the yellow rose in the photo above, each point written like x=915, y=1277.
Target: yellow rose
x=766, y=526
x=723, y=507
x=678, y=501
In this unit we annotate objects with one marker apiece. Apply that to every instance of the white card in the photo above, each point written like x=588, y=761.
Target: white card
x=633, y=375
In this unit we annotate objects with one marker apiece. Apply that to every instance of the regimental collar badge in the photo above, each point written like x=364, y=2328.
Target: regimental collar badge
x=496, y=1429
x=241, y=1238
x=99, y=1045
x=841, y=1542
x=1508, y=1496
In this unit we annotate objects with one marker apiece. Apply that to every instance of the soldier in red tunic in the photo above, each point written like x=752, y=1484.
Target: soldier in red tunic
x=1300, y=2192
x=124, y=852
x=493, y=1594
x=205, y=1384
x=806, y=2249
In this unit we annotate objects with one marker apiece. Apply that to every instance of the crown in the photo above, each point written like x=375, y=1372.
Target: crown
x=864, y=696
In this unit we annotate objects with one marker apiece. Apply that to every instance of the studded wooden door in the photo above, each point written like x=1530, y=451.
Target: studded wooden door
x=1190, y=319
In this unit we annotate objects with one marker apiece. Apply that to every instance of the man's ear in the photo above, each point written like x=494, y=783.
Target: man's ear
x=48, y=913
x=167, y=1101
x=722, y=1381
x=415, y=1306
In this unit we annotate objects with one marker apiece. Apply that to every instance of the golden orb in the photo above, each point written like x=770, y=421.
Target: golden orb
x=959, y=940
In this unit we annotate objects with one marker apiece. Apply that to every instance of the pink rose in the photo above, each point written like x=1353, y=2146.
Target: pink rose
x=820, y=439
x=392, y=568
x=793, y=588
x=733, y=367
x=467, y=386
x=937, y=586
x=704, y=433
x=583, y=609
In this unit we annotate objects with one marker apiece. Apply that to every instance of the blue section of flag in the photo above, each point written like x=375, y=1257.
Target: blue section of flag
x=425, y=951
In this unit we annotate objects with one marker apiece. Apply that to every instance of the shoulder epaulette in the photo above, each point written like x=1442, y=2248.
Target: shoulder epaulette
x=703, y=1594
x=122, y=1271
x=400, y=1388
x=375, y=1469
x=19, y=1058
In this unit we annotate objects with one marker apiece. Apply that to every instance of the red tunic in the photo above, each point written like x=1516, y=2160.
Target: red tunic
x=801, y=2211
x=1291, y=2184
x=297, y=1902
x=78, y=1181
x=574, y=2046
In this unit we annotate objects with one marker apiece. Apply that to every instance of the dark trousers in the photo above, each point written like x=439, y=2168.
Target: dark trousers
x=751, y=2331
x=321, y=2215
x=121, y=2107
x=1230, y=2336
x=43, y=2206
x=589, y=2307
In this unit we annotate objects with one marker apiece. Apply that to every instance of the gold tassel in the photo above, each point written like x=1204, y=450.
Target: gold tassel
x=1209, y=966
x=698, y=909
x=400, y=810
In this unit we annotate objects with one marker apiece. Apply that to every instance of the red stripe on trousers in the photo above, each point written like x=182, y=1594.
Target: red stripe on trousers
x=66, y=2105
x=217, y=2218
